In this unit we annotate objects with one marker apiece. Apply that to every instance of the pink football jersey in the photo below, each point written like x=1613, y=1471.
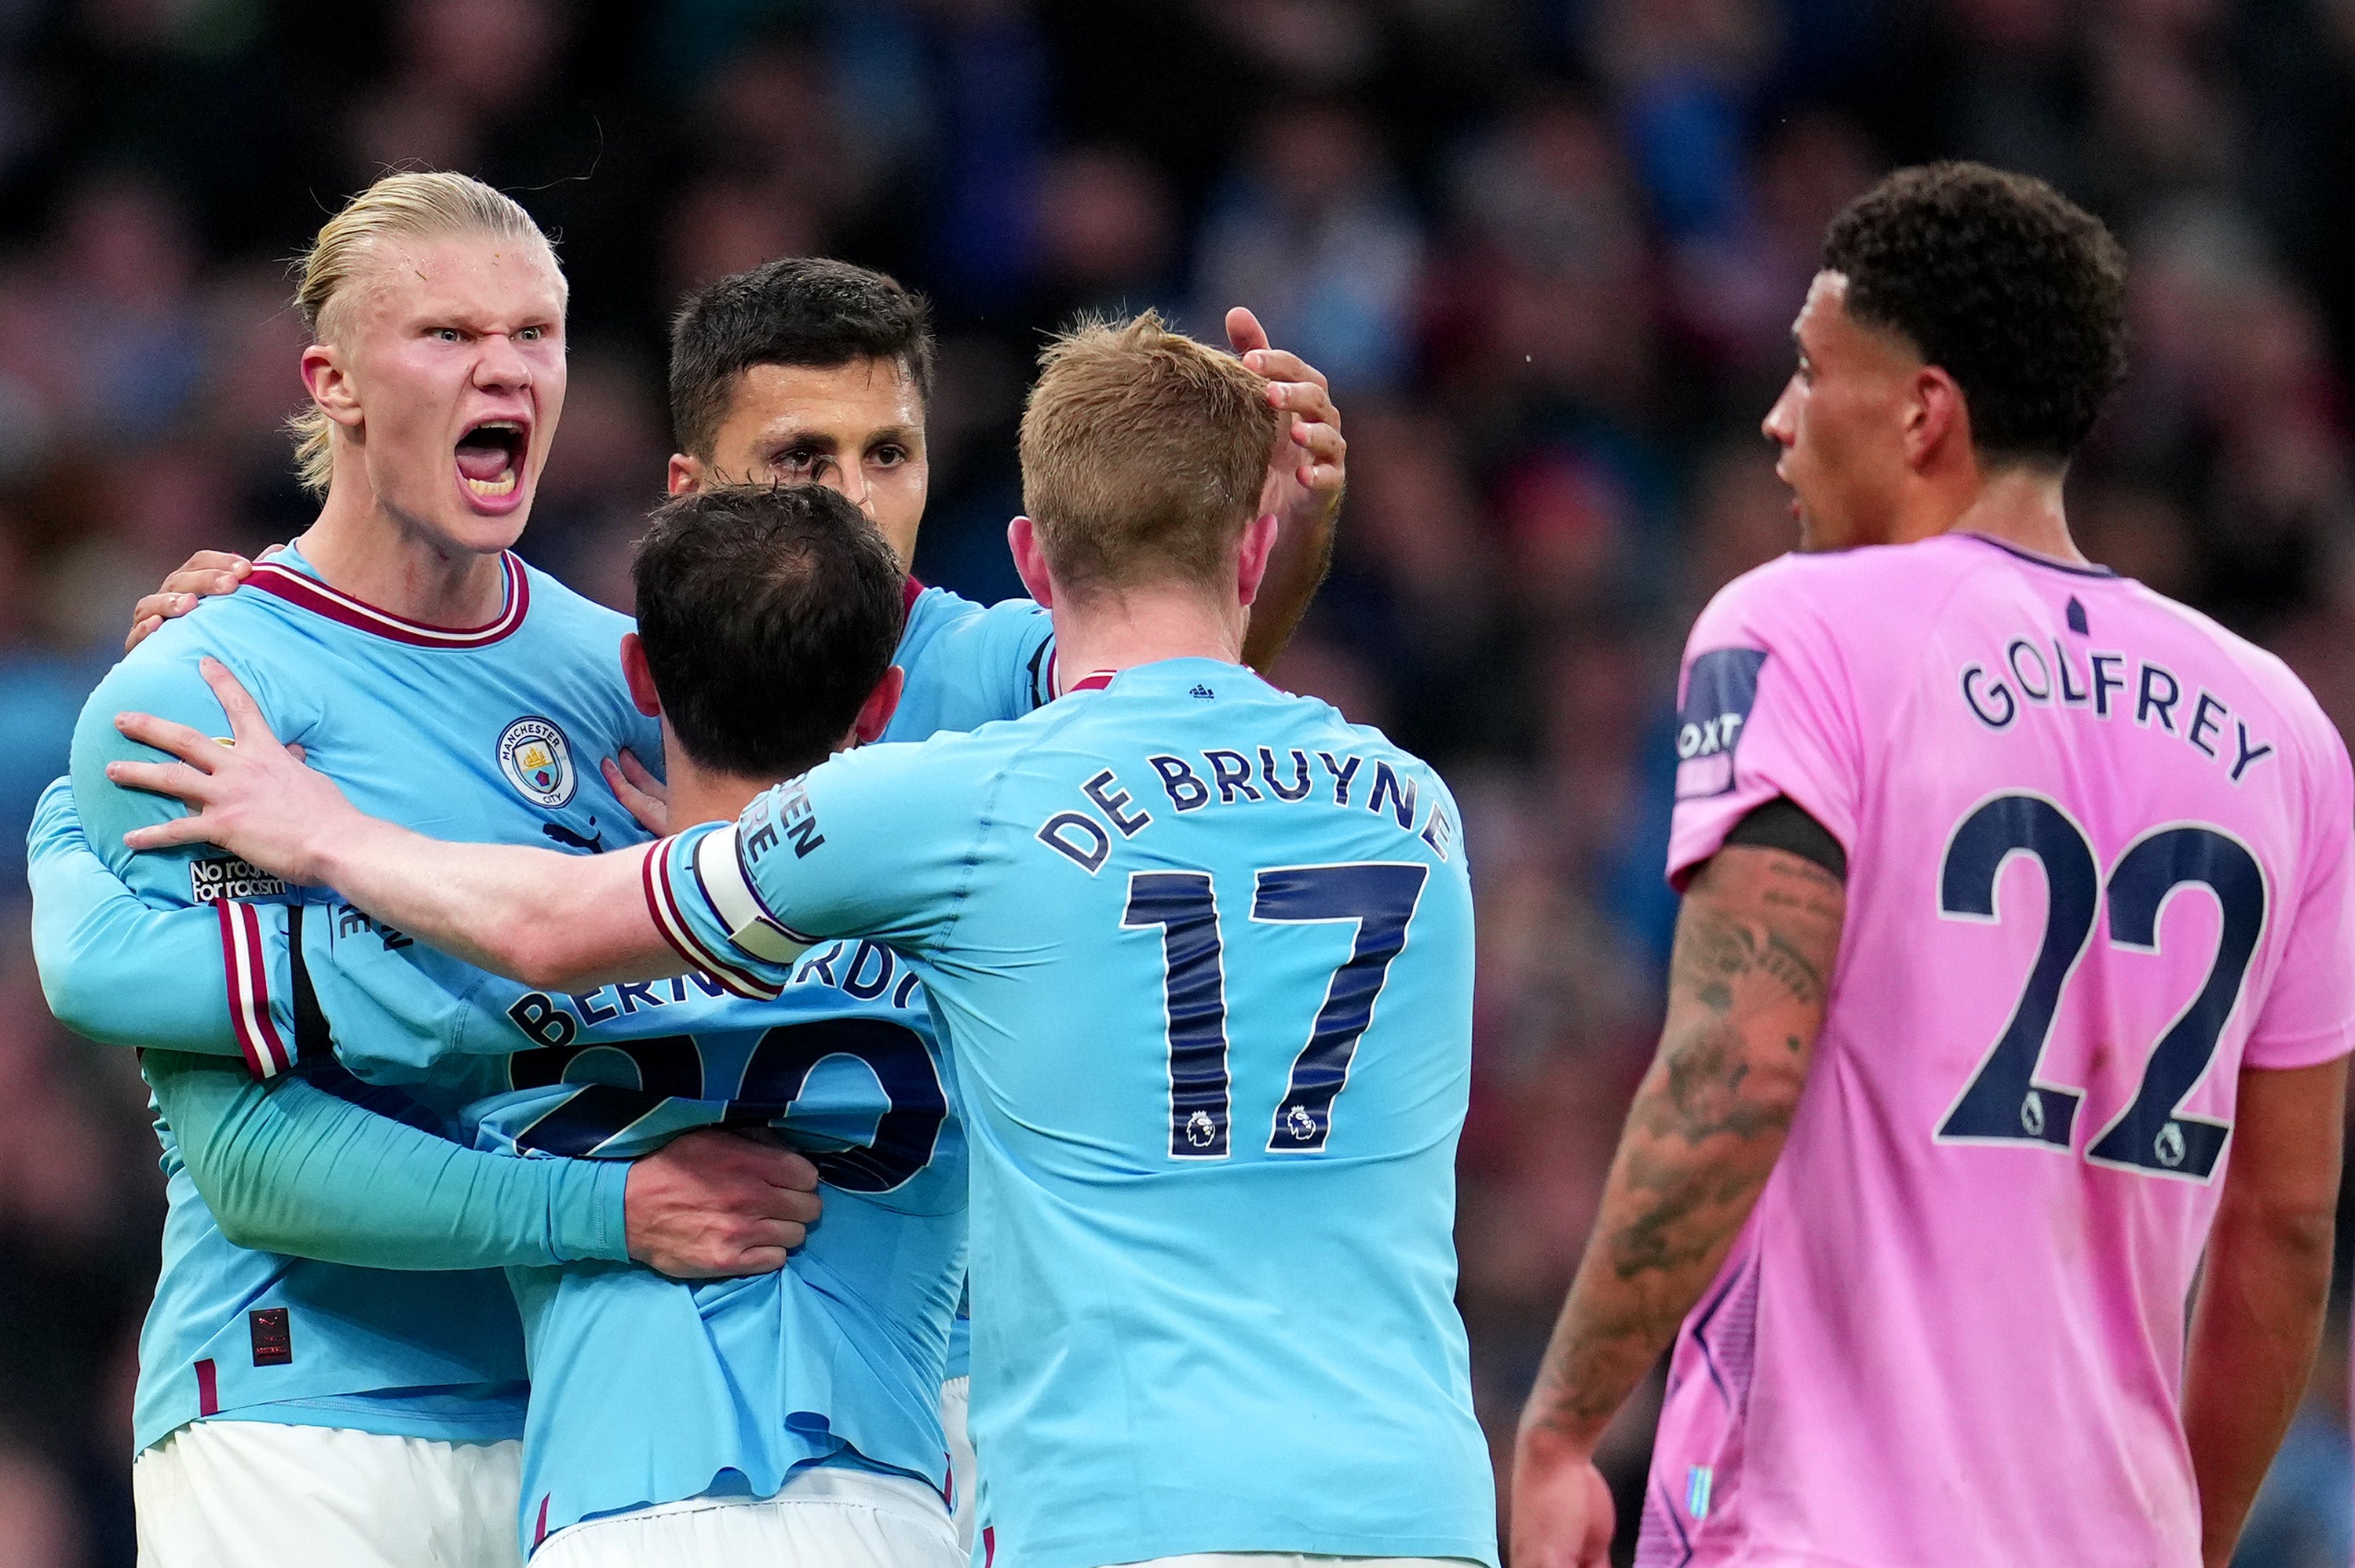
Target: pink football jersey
x=2098, y=862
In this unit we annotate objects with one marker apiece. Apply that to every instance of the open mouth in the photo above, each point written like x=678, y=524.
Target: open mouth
x=490, y=458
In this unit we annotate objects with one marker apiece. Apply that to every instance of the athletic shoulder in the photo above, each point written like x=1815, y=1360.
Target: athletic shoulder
x=1827, y=591
x=968, y=665
x=249, y=632
x=2316, y=738
x=568, y=613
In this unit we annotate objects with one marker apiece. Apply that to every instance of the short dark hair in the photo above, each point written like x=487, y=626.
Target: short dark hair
x=2002, y=282
x=769, y=613
x=800, y=311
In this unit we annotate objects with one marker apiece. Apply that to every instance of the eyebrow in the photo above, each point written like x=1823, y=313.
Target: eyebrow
x=805, y=435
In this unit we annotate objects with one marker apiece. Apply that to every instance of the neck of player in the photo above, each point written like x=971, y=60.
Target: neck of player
x=368, y=549
x=700, y=794
x=2017, y=504
x=1114, y=631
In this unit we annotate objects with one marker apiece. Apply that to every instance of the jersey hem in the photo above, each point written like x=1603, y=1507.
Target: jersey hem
x=356, y=1413
x=1096, y=1549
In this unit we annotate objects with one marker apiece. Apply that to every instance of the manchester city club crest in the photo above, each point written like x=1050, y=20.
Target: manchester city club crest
x=536, y=760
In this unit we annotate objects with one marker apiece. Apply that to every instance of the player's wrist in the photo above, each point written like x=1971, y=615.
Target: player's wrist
x=1551, y=1437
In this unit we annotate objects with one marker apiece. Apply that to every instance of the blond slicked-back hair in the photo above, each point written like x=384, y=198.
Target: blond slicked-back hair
x=1143, y=453
x=410, y=204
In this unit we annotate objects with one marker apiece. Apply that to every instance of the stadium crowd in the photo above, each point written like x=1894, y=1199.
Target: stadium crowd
x=1547, y=250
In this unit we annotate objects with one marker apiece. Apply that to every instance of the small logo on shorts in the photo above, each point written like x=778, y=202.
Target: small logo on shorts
x=1201, y=1130
x=536, y=760
x=274, y=1342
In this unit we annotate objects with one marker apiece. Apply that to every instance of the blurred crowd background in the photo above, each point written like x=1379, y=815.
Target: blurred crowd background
x=1547, y=250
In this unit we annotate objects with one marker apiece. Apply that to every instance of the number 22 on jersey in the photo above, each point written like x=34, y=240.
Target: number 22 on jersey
x=2007, y=1101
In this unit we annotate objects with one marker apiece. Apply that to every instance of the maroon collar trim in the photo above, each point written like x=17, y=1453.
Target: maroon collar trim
x=1096, y=681
x=312, y=595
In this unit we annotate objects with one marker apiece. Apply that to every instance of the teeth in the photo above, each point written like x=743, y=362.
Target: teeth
x=503, y=485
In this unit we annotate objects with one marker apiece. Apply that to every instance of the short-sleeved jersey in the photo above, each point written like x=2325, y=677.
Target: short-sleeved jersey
x=486, y=734
x=2097, y=863
x=1204, y=951
x=646, y=1389
x=967, y=664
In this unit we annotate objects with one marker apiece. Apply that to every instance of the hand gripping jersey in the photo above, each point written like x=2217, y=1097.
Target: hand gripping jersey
x=646, y=1389
x=2097, y=864
x=488, y=733
x=1205, y=953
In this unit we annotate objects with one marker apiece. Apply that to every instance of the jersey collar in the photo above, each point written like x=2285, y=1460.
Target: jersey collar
x=1196, y=676
x=298, y=588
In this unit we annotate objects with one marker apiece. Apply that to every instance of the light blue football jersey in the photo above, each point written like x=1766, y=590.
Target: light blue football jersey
x=969, y=664
x=486, y=734
x=646, y=1390
x=1205, y=954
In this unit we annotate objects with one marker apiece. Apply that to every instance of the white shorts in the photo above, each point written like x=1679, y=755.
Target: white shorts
x=955, y=1394
x=263, y=1494
x=830, y=1517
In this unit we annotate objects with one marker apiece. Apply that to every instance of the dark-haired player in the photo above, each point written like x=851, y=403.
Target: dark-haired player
x=1205, y=952
x=2012, y=972
x=785, y=1418
x=810, y=369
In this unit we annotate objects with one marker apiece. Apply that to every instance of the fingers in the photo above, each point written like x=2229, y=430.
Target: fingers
x=192, y=746
x=174, y=778
x=1286, y=370
x=245, y=720
x=168, y=835
x=1327, y=452
x=200, y=582
x=1245, y=333
x=143, y=626
x=795, y=1173
x=652, y=812
x=205, y=561
x=641, y=776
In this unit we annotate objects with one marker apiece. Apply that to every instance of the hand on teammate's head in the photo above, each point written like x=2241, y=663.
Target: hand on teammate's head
x=1307, y=470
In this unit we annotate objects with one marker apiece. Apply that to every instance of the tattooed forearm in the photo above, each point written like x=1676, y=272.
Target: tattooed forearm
x=1747, y=983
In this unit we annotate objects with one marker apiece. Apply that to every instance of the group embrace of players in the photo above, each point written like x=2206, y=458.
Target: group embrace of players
x=1089, y=1058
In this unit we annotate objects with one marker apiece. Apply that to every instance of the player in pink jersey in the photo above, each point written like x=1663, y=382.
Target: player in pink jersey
x=2014, y=970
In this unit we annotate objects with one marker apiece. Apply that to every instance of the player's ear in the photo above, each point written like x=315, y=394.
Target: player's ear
x=881, y=703
x=1258, y=548
x=1937, y=420
x=1030, y=561
x=330, y=385
x=686, y=474
x=640, y=675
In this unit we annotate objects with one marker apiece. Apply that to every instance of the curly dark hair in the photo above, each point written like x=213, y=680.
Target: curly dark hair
x=2002, y=282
